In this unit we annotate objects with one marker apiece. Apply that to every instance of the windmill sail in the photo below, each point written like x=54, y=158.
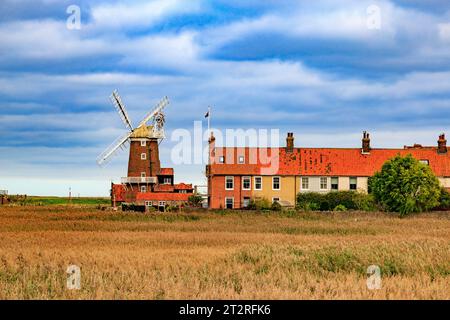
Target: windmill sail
x=117, y=102
x=164, y=102
x=120, y=143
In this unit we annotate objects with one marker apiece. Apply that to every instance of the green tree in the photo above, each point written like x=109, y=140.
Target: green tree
x=405, y=185
x=195, y=200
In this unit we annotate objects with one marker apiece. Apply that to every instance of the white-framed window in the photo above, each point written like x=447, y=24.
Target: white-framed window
x=229, y=203
x=221, y=159
x=143, y=143
x=353, y=183
x=229, y=183
x=143, y=189
x=142, y=174
x=305, y=183
x=275, y=200
x=162, y=203
x=183, y=191
x=143, y=156
x=334, y=183
x=246, y=183
x=276, y=183
x=148, y=203
x=424, y=161
x=258, y=183
x=167, y=181
x=323, y=183
x=241, y=159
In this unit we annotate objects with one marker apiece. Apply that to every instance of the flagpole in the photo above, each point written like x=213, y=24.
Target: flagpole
x=209, y=120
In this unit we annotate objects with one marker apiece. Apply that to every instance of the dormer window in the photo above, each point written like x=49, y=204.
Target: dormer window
x=241, y=159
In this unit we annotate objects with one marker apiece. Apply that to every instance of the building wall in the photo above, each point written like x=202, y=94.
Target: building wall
x=288, y=188
x=343, y=184
x=218, y=193
x=136, y=165
x=445, y=181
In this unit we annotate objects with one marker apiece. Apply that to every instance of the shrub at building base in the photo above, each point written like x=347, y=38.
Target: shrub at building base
x=350, y=200
x=195, y=200
x=444, y=200
x=259, y=204
x=405, y=185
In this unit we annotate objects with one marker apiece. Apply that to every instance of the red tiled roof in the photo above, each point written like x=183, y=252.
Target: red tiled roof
x=162, y=196
x=163, y=188
x=166, y=172
x=324, y=161
x=183, y=186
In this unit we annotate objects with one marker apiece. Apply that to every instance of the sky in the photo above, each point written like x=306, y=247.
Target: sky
x=325, y=70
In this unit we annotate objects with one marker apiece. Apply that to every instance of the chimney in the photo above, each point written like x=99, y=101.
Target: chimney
x=442, y=144
x=290, y=142
x=365, y=143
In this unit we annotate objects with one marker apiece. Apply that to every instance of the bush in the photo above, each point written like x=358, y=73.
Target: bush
x=132, y=207
x=195, y=200
x=405, y=185
x=350, y=200
x=340, y=207
x=444, y=200
x=259, y=204
x=276, y=206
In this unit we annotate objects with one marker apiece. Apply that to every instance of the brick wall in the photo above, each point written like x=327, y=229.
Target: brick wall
x=136, y=165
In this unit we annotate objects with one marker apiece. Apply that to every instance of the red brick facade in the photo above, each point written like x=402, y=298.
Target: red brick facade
x=151, y=165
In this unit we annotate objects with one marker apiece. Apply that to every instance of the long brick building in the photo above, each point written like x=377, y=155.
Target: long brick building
x=236, y=175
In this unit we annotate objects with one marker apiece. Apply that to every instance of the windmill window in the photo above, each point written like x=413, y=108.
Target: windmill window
x=143, y=143
x=143, y=156
x=142, y=174
x=143, y=189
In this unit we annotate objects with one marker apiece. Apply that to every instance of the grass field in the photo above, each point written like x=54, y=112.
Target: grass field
x=240, y=255
x=48, y=201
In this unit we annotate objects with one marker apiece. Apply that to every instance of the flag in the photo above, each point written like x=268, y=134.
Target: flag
x=207, y=114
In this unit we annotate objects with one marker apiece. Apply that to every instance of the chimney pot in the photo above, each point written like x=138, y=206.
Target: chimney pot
x=365, y=142
x=290, y=142
x=442, y=144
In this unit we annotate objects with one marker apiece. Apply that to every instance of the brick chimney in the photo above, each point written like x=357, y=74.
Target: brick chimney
x=442, y=144
x=365, y=142
x=290, y=142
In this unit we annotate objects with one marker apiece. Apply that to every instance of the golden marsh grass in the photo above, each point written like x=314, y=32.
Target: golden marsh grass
x=221, y=256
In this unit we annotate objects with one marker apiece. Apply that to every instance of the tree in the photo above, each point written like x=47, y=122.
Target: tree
x=195, y=200
x=405, y=185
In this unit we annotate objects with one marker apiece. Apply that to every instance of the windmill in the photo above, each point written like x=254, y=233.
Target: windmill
x=154, y=131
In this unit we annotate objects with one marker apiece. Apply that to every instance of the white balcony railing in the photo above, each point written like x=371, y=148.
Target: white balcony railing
x=139, y=180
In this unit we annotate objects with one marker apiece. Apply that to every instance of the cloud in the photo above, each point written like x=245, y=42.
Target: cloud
x=140, y=14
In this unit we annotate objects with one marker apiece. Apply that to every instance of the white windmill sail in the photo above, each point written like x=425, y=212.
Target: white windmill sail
x=159, y=107
x=120, y=143
x=120, y=107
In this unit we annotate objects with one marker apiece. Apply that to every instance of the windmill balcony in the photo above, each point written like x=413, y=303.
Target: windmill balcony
x=139, y=180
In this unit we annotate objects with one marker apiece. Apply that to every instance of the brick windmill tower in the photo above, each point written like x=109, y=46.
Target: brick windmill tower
x=143, y=166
